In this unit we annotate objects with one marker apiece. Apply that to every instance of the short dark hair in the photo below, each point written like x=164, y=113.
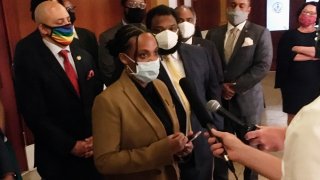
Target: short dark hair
x=161, y=10
x=306, y=4
x=120, y=41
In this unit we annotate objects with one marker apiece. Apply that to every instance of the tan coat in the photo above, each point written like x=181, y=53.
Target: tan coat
x=130, y=141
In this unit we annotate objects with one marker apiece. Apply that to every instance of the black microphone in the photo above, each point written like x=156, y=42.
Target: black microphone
x=214, y=106
x=202, y=114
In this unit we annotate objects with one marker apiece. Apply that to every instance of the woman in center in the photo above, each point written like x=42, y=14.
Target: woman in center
x=135, y=127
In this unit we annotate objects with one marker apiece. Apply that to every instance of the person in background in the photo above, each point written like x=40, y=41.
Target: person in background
x=7, y=170
x=301, y=141
x=246, y=52
x=84, y=38
x=187, y=25
x=133, y=12
x=183, y=60
x=296, y=70
x=55, y=85
x=137, y=115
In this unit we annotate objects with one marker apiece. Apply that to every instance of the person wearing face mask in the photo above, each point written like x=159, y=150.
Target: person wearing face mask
x=82, y=37
x=183, y=60
x=187, y=21
x=137, y=115
x=133, y=12
x=246, y=52
x=55, y=85
x=296, y=70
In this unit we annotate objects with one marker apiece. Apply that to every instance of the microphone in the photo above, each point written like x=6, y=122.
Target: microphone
x=214, y=106
x=202, y=114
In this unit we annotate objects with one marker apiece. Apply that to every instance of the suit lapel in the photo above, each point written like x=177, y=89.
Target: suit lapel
x=142, y=105
x=239, y=42
x=55, y=66
x=165, y=100
x=220, y=46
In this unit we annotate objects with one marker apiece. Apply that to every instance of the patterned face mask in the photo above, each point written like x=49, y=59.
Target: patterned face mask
x=62, y=34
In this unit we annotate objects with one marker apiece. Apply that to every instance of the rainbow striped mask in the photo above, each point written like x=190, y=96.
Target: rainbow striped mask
x=62, y=34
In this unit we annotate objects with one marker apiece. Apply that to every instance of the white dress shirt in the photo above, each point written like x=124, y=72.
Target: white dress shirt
x=230, y=26
x=55, y=51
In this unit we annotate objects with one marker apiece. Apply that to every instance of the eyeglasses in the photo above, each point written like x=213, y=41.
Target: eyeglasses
x=134, y=4
x=310, y=13
x=71, y=8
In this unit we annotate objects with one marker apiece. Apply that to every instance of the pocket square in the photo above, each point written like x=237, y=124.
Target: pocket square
x=247, y=42
x=90, y=74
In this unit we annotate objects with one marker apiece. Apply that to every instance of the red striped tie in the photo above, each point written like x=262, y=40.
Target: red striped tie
x=70, y=71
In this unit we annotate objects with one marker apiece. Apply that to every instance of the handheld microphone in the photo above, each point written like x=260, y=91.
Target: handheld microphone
x=202, y=114
x=214, y=106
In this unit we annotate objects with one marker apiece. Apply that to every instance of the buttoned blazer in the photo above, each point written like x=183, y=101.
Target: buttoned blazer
x=130, y=142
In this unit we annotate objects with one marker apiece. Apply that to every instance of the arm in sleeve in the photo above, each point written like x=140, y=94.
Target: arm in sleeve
x=32, y=105
x=261, y=64
x=108, y=155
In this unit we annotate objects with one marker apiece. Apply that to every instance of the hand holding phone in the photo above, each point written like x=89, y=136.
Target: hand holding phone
x=194, y=136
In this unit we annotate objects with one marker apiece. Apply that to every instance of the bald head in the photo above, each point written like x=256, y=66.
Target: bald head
x=51, y=13
x=186, y=13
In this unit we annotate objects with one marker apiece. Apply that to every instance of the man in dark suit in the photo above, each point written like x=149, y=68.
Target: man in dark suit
x=83, y=37
x=111, y=68
x=183, y=60
x=186, y=23
x=55, y=86
x=246, y=52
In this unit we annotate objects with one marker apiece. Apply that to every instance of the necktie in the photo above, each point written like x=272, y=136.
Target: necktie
x=175, y=77
x=70, y=71
x=228, y=48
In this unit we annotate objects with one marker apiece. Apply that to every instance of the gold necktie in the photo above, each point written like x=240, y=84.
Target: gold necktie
x=176, y=75
x=228, y=48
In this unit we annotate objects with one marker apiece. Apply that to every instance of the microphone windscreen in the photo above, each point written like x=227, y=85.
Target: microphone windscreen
x=213, y=105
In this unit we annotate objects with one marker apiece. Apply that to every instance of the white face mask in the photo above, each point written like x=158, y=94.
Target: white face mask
x=167, y=39
x=187, y=29
x=146, y=71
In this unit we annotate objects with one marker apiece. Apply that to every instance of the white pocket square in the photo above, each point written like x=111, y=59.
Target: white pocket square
x=247, y=42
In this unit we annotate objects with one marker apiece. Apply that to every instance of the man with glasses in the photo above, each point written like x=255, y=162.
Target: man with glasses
x=134, y=12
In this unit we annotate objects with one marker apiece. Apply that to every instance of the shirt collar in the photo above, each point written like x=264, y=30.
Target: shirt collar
x=239, y=26
x=189, y=41
x=55, y=49
x=75, y=33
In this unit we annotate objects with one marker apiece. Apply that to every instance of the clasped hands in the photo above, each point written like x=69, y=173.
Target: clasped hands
x=228, y=90
x=83, y=148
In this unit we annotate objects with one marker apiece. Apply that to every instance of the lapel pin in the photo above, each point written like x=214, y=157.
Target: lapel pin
x=78, y=58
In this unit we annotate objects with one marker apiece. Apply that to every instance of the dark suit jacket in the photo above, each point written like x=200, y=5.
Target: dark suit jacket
x=211, y=48
x=87, y=41
x=248, y=65
x=51, y=108
x=199, y=69
x=110, y=67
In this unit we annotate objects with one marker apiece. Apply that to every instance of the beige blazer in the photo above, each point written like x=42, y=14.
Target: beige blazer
x=129, y=139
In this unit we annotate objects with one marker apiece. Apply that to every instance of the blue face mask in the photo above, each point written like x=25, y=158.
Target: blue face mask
x=146, y=71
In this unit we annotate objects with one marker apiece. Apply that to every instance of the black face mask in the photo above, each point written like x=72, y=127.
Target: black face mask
x=169, y=51
x=72, y=17
x=135, y=15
